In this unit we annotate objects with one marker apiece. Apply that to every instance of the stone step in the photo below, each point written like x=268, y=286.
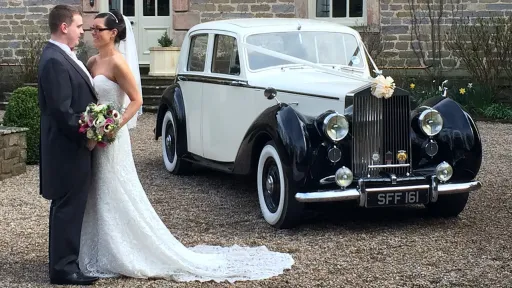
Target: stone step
x=3, y=105
x=149, y=109
x=153, y=89
x=151, y=100
x=144, y=70
x=156, y=80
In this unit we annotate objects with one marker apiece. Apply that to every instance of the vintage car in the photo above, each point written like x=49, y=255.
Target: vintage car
x=293, y=102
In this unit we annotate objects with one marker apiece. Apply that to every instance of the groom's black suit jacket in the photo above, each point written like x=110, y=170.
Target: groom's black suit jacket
x=64, y=93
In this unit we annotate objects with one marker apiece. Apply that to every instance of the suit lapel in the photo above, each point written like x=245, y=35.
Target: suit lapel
x=76, y=66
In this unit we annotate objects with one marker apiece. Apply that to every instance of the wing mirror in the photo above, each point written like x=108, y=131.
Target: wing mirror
x=270, y=93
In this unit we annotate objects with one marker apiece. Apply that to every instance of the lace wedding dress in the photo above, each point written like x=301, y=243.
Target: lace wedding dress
x=123, y=235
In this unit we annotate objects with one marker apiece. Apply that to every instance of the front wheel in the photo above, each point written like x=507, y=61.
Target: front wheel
x=448, y=205
x=170, y=144
x=275, y=192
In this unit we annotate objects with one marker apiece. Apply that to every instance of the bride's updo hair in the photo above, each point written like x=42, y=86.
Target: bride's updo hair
x=114, y=20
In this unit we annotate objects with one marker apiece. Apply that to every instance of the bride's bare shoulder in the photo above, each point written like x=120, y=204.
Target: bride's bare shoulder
x=120, y=64
x=118, y=59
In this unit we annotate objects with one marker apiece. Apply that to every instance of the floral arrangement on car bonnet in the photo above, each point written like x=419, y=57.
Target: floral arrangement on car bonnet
x=382, y=87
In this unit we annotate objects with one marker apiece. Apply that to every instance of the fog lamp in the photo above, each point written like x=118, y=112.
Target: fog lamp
x=444, y=171
x=344, y=177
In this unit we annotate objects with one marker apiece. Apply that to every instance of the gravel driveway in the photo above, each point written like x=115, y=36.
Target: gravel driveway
x=335, y=247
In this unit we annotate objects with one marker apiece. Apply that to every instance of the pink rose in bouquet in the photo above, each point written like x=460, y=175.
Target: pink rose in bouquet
x=99, y=121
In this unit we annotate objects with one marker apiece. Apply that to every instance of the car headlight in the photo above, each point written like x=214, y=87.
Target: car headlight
x=431, y=122
x=343, y=177
x=444, y=171
x=335, y=126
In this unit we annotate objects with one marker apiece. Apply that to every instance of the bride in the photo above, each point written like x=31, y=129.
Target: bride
x=121, y=233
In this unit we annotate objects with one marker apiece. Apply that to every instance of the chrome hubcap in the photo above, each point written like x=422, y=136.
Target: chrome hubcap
x=270, y=184
x=168, y=141
x=170, y=146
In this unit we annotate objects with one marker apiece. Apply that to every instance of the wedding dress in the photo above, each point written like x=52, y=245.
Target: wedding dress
x=123, y=235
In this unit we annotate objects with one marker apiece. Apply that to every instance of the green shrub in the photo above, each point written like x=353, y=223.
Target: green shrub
x=473, y=97
x=476, y=99
x=23, y=111
x=497, y=111
x=484, y=46
x=165, y=41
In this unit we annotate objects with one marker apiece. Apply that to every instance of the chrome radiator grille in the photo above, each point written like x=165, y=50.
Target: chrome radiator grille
x=380, y=126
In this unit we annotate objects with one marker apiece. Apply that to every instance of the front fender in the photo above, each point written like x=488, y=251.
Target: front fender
x=172, y=100
x=283, y=125
x=459, y=141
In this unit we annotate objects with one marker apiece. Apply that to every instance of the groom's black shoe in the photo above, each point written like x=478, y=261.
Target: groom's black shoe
x=77, y=278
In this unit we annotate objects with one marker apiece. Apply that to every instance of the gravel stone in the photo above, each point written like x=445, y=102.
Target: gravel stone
x=336, y=246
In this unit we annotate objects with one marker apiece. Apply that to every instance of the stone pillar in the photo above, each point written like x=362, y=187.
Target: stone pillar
x=88, y=14
x=13, y=151
x=182, y=20
x=301, y=8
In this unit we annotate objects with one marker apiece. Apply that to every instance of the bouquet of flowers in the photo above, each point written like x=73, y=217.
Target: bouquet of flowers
x=383, y=87
x=99, y=121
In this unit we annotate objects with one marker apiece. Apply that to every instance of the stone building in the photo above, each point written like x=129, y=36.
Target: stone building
x=150, y=18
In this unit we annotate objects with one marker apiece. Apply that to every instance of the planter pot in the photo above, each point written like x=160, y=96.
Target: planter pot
x=163, y=61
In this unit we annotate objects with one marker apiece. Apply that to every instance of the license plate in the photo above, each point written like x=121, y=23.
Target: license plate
x=383, y=199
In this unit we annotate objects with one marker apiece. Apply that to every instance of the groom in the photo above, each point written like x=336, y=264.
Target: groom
x=65, y=89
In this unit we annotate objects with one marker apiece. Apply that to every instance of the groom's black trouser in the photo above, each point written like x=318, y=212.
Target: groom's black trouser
x=66, y=215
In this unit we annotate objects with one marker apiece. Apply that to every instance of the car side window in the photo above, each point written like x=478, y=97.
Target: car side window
x=225, y=55
x=197, y=53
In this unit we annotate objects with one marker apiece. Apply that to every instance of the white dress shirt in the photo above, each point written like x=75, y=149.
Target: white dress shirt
x=73, y=56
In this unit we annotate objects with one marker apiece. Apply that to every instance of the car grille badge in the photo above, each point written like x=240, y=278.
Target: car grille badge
x=389, y=158
x=401, y=156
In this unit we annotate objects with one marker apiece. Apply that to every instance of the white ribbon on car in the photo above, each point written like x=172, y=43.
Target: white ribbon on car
x=307, y=63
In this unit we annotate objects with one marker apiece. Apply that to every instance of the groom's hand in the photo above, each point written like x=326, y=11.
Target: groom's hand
x=91, y=144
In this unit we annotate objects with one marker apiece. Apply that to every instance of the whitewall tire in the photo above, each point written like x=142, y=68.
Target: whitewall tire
x=275, y=194
x=170, y=144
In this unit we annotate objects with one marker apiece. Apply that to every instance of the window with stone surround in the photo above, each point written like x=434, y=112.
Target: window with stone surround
x=346, y=12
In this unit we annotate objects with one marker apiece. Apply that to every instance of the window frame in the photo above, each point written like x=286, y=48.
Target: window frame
x=190, y=51
x=212, y=58
x=348, y=21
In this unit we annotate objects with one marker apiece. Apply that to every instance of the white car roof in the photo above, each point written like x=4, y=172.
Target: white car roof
x=255, y=25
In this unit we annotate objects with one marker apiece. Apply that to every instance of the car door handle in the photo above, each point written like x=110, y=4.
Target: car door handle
x=238, y=83
x=132, y=22
x=182, y=78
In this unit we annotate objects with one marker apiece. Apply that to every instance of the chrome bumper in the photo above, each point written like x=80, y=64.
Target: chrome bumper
x=360, y=192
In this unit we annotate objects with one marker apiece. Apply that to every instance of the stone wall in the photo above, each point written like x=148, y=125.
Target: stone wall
x=13, y=152
x=396, y=20
x=393, y=17
x=18, y=17
x=187, y=13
